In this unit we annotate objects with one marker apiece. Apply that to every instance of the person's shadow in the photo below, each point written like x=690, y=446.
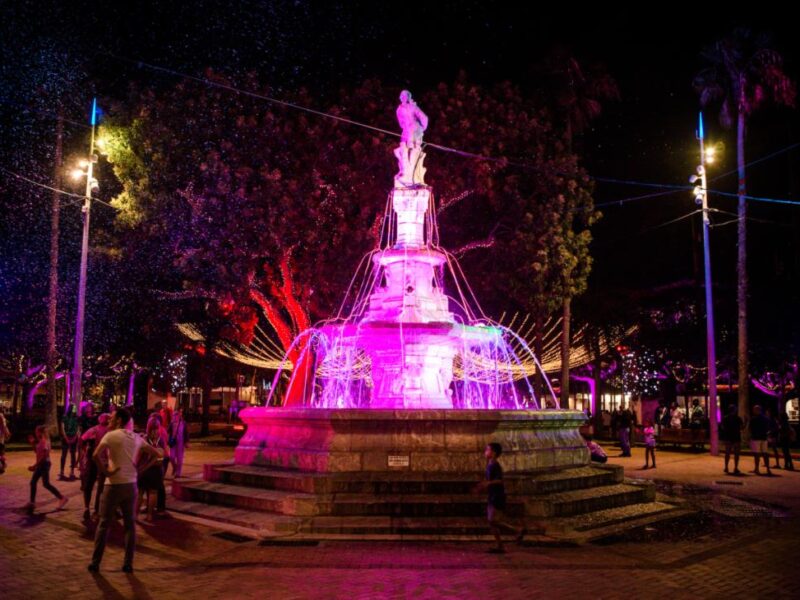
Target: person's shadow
x=107, y=590
x=32, y=519
x=139, y=590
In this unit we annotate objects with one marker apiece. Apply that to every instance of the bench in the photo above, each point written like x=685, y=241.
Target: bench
x=692, y=436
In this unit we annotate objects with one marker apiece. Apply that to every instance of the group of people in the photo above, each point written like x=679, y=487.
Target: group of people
x=124, y=466
x=676, y=417
x=766, y=433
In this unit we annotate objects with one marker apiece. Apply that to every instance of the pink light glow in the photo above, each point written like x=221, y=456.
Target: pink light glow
x=400, y=346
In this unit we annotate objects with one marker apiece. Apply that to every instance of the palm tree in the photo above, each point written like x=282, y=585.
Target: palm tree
x=743, y=72
x=578, y=94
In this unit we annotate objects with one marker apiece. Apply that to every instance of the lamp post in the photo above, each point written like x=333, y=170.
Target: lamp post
x=86, y=169
x=701, y=197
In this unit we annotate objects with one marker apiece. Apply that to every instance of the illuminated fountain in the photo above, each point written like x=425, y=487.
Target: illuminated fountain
x=400, y=346
x=379, y=425
x=405, y=375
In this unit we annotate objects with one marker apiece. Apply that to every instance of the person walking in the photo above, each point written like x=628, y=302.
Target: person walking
x=123, y=447
x=41, y=470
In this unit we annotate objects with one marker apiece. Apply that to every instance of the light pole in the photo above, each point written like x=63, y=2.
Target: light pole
x=91, y=185
x=701, y=197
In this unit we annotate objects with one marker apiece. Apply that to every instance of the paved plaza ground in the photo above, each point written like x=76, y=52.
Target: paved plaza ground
x=747, y=548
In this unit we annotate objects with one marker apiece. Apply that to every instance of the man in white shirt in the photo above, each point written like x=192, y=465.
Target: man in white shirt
x=123, y=448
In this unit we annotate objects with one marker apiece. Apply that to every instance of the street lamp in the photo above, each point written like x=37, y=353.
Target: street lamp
x=85, y=169
x=700, y=191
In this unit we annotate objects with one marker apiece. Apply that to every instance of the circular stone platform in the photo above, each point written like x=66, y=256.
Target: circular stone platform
x=416, y=441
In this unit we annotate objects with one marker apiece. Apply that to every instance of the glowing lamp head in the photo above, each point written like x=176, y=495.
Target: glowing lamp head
x=77, y=174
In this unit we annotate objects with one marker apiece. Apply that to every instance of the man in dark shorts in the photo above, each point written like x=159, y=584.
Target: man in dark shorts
x=759, y=430
x=731, y=434
x=496, y=501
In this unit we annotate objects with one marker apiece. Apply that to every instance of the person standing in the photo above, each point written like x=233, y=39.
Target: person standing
x=658, y=418
x=151, y=470
x=166, y=414
x=786, y=436
x=89, y=471
x=5, y=434
x=158, y=436
x=41, y=470
x=676, y=416
x=86, y=418
x=772, y=436
x=759, y=430
x=68, y=429
x=624, y=428
x=649, y=444
x=731, y=434
x=178, y=442
x=123, y=447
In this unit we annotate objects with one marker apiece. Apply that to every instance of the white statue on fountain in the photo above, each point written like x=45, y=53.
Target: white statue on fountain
x=409, y=153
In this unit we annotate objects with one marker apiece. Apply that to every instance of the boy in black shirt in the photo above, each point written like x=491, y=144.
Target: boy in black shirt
x=496, y=501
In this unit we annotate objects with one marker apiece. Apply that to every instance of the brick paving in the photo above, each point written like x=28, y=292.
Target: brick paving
x=45, y=556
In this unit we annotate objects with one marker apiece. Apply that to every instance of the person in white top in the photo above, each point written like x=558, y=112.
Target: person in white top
x=123, y=447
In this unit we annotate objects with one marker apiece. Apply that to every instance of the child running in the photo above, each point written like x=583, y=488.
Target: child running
x=41, y=470
x=496, y=502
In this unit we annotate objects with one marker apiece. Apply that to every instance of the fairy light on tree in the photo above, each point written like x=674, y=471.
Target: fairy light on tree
x=172, y=372
x=639, y=374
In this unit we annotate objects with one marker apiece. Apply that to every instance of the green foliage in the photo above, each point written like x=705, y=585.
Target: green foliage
x=219, y=191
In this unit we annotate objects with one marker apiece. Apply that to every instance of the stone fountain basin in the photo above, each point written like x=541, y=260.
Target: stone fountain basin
x=415, y=441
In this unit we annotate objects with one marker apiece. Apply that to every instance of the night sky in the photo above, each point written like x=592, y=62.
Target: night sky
x=647, y=136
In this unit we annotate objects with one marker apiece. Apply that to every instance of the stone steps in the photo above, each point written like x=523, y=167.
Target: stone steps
x=406, y=483
x=259, y=523
x=273, y=501
x=604, y=523
x=413, y=505
x=294, y=503
x=590, y=476
x=563, y=504
x=572, y=530
x=265, y=478
x=385, y=525
x=569, y=506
